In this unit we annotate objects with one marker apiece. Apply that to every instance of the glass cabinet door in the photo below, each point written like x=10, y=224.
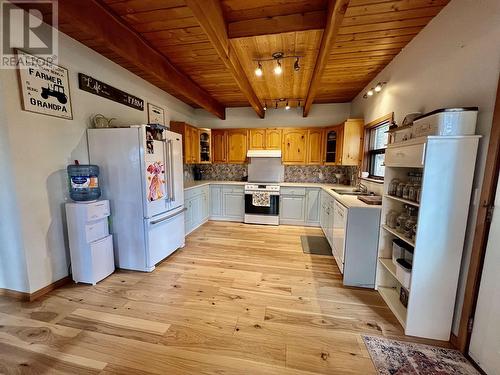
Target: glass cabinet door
x=204, y=137
x=331, y=146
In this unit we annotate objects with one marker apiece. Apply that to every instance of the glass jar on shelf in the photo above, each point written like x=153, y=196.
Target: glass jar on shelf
x=406, y=191
x=399, y=189
x=401, y=219
x=393, y=186
x=390, y=218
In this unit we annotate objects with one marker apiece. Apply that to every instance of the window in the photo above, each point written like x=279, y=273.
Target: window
x=378, y=138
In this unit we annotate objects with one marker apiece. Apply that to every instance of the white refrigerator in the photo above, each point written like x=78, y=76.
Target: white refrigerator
x=141, y=174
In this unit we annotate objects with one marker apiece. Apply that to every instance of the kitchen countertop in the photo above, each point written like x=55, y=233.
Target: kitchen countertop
x=346, y=200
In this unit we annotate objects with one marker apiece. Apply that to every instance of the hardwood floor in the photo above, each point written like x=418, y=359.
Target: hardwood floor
x=238, y=299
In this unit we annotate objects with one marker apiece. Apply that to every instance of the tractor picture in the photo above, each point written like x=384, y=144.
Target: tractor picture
x=56, y=91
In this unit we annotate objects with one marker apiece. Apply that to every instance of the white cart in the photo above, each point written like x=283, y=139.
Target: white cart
x=91, y=245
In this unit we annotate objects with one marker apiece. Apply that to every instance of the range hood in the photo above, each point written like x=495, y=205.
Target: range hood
x=264, y=154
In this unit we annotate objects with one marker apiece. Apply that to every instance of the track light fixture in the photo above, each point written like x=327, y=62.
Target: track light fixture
x=296, y=65
x=278, y=68
x=258, y=71
x=286, y=103
x=374, y=90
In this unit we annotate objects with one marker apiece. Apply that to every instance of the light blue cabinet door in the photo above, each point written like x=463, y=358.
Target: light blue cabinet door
x=234, y=205
x=216, y=200
x=292, y=210
x=188, y=215
x=205, y=204
x=197, y=210
x=313, y=206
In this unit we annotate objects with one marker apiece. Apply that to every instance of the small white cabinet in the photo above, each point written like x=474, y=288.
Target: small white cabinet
x=90, y=244
x=196, y=201
x=312, y=206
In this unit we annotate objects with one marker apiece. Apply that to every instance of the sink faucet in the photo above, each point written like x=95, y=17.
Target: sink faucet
x=361, y=187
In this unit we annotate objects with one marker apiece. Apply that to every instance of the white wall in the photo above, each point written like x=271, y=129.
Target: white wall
x=245, y=117
x=454, y=61
x=42, y=146
x=13, y=272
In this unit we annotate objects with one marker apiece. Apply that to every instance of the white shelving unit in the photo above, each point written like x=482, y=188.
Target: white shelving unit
x=448, y=166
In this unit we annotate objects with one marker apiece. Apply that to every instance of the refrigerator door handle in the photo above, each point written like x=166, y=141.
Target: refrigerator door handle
x=168, y=217
x=172, y=174
x=167, y=172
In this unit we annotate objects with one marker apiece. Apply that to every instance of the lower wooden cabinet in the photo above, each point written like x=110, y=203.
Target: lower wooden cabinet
x=294, y=146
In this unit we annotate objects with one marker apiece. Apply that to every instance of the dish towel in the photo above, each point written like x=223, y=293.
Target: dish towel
x=261, y=199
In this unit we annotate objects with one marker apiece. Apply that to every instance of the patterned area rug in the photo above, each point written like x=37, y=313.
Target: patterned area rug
x=397, y=358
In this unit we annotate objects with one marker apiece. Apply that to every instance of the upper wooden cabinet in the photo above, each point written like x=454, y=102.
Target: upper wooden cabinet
x=352, y=145
x=264, y=139
x=257, y=139
x=237, y=141
x=273, y=139
x=219, y=146
x=315, y=146
x=332, y=145
x=294, y=146
x=205, y=146
x=343, y=143
x=190, y=140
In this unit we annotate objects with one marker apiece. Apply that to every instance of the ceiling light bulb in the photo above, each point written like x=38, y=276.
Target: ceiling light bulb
x=296, y=65
x=370, y=92
x=258, y=71
x=278, y=70
x=287, y=107
x=265, y=106
x=378, y=88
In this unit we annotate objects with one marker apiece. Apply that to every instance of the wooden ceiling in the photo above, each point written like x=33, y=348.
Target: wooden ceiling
x=209, y=46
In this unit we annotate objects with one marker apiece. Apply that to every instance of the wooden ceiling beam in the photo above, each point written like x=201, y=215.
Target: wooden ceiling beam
x=211, y=18
x=102, y=25
x=335, y=15
x=315, y=20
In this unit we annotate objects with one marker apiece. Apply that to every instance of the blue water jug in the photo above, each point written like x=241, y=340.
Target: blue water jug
x=83, y=182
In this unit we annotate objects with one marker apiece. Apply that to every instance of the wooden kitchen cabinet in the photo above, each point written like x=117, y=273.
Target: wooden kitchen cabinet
x=352, y=142
x=273, y=139
x=237, y=146
x=219, y=146
x=204, y=146
x=332, y=145
x=343, y=143
x=257, y=139
x=315, y=146
x=264, y=139
x=294, y=146
x=190, y=142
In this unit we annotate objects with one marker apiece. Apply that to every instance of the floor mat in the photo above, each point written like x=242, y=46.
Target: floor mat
x=317, y=245
x=392, y=357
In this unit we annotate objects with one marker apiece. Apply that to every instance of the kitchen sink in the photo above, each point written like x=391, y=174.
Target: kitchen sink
x=352, y=192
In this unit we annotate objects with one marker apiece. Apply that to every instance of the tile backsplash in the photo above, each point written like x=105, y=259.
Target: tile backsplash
x=293, y=173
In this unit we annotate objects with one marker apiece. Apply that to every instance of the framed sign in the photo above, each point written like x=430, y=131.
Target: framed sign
x=44, y=86
x=156, y=115
x=96, y=87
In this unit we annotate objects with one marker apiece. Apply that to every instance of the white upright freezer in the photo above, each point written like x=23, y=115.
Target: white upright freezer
x=142, y=177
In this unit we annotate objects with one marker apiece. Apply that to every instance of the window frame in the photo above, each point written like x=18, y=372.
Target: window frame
x=369, y=154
